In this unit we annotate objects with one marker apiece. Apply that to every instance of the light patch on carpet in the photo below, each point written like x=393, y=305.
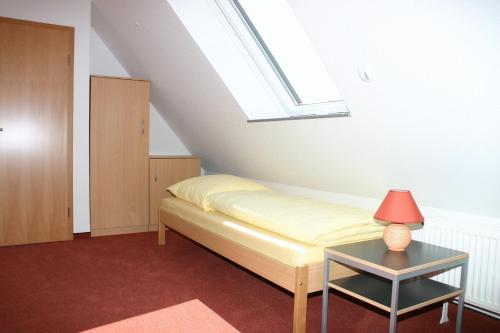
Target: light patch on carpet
x=192, y=316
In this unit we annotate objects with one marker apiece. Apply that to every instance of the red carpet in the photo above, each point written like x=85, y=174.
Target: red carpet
x=87, y=283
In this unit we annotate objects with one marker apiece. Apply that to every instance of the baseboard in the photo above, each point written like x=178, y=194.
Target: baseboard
x=481, y=310
x=119, y=231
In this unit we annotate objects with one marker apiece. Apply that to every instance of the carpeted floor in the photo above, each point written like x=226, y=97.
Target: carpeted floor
x=86, y=283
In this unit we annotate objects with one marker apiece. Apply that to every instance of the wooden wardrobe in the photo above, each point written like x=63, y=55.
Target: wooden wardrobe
x=119, y=155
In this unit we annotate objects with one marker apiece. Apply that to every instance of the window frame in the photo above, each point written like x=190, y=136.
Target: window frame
x=256, y=50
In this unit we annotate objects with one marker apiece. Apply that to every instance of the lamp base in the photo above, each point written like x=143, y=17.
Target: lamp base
x=397, y=236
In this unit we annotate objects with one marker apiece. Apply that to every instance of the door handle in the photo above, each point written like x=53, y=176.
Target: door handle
x=142, y=127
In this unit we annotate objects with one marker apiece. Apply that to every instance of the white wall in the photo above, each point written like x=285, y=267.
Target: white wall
x=162, y=140
x=429, y=122
x=75, y=13
x=102, y=61
x=430, y=119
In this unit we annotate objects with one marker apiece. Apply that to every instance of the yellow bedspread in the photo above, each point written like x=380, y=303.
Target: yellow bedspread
x=306, y=220
x=270, y=244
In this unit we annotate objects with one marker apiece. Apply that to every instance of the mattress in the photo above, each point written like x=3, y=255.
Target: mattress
x=310, y=221
x=280, y=248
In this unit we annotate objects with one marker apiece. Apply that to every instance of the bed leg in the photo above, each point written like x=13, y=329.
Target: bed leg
x=161, y=234
x=162, y=229
x=300, y=299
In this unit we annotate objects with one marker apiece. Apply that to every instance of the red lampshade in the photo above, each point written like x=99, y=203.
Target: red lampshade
x=399, y=207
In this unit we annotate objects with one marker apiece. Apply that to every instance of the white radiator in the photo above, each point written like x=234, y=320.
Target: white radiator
x=482, y=242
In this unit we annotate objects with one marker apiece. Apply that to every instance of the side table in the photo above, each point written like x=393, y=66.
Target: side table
x=395, y=281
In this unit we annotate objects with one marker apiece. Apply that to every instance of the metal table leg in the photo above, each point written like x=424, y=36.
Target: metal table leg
x=326, y=277
x=394, y=305
x=444, y=314
x=461, y=298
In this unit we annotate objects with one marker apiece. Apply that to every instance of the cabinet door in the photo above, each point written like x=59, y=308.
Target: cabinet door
x=163, y=173
x=119, y=140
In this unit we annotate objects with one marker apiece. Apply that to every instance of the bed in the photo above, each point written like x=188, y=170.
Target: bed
x=292, y=264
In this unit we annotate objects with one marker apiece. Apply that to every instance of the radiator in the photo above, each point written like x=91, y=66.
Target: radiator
x=482, y=242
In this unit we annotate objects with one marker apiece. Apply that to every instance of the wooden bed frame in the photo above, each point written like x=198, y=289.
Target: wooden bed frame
x=300, y=280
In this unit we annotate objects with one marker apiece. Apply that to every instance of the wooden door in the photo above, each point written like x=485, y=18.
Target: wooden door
x=36, y=82
x=164, y=172
x=119, y=142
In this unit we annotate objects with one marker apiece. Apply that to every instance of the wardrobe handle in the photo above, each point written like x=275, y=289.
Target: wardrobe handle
x=142, y=126
x=156, y=176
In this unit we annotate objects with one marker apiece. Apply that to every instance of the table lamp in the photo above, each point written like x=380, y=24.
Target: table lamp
x=398, y=208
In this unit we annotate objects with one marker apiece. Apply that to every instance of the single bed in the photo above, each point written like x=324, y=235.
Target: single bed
x=293, y=265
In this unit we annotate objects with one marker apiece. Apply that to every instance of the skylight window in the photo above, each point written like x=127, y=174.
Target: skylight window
x=282, y=51
x=265, y=59
x=288, y=50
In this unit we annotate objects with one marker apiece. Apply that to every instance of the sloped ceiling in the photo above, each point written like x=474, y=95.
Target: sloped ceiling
x=429, y=122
